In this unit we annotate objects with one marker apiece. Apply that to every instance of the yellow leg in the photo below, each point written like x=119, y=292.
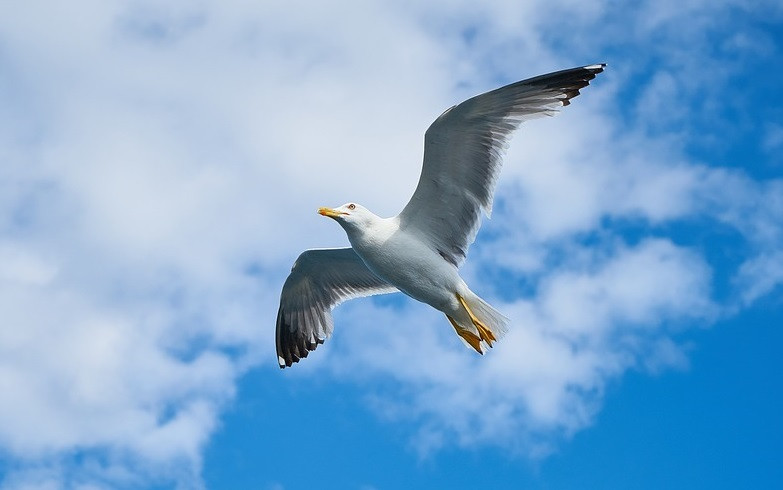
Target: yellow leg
x=484, y=332
x=469, y=336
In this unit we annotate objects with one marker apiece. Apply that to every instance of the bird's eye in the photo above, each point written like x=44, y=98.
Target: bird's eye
x=352, y=206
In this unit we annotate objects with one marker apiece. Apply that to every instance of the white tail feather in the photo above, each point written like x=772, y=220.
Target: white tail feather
x=489, y=316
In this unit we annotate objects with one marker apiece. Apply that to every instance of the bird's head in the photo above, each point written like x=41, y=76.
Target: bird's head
x=349, y=215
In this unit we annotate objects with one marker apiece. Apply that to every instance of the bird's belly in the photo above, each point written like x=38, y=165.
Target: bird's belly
x=416, y=270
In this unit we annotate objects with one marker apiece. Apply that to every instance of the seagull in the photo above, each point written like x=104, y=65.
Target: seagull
x=419, y=251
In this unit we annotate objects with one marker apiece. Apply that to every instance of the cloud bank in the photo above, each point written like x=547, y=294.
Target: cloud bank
x=161, y=166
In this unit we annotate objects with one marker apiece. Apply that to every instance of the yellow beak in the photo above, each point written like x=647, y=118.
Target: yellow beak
x=332, y=213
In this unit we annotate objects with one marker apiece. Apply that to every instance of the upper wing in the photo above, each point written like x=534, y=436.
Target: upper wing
x=462, y=156
x=319, y=280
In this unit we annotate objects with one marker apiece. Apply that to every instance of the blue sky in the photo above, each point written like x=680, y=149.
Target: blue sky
x=161, y=164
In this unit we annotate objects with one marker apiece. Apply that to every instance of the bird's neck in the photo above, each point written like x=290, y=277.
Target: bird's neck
x=372, y=232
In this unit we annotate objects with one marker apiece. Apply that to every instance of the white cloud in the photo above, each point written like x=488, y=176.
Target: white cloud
x=760, y=275
x=163, y=154
x=773, y=137
x=584, y=327
x=161, y=168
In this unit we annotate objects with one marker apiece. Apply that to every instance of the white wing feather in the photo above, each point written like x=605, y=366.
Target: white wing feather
x=320, y=280
x=463, y=155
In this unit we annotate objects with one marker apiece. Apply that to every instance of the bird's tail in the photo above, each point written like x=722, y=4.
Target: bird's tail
x=479, y=325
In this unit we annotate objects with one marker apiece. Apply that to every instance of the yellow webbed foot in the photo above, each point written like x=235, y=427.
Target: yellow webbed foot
x=484, y=332
x=469, y=337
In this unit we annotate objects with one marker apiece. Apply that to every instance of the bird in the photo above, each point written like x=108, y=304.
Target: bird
x=419, y=251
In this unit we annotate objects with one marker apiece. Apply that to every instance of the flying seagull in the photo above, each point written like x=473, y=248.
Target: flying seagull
x=420, y=250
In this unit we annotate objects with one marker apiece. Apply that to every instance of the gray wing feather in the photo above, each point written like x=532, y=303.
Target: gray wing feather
x=320, y=280
x=463, y=152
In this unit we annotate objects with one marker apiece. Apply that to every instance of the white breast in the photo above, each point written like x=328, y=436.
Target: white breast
x=407, y=262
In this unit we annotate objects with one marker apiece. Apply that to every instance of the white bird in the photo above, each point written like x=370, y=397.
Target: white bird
x=419, y=251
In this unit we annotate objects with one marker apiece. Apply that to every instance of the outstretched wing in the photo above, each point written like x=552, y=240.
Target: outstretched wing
x=320, y=279
x=462, y=156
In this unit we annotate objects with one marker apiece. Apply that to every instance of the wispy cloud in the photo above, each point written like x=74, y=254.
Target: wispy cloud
x=162, y=164
x=587, y=323
x=773, y=137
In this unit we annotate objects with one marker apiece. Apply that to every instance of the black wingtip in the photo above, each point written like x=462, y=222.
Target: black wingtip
x=568, y=82
x=292, y=347
x=595, y=69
